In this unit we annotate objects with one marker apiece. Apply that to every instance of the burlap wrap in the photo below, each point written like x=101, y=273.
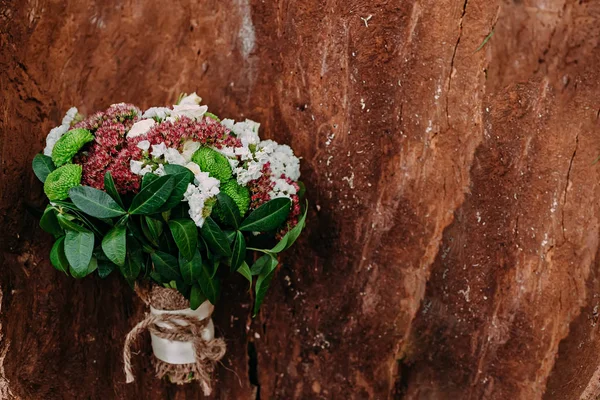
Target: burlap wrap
x=175, y=327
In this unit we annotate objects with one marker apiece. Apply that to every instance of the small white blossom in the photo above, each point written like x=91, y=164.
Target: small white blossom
x=192, y=99
x=158, y=149
x=140, y=128
x=157, y=112
x=192, y=111
x=172, y=156
x=281, y=189
x=160, y=171
x=59, y=131
x=207, y=184
x=195, y=168
x=136, y=166
x=144, y=145
x=189, y=148
x=246, y=131
x=252, y=171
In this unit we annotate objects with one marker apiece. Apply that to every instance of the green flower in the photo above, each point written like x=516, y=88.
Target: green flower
x=213, y=162
x=69, y=144
x=61, y=180
x=239, y=194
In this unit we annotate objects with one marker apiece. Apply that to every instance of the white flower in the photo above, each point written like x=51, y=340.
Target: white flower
x=193, y=111
x=196, y=202
x=52, y=138
x=160, y=171
x=246, y=131
x=281, y=189
x=140, y=128
x=158, y=149
x=189, y=148
x=172, y=156
x=158, y=112
x=59, y=131
x=195, y=168
x=69, y=116
x=208, y=185
x=191, y=99
x=252, y=172
x=136, y=166
x=144, y=145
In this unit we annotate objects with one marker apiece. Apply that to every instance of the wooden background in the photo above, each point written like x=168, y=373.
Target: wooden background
x=453, y=234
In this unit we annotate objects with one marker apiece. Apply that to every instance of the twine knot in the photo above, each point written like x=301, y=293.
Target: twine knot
x=182, y=328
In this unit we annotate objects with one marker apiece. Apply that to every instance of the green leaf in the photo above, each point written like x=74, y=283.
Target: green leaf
x=185, y=234
x=49, y=222
x=111, y=188
x=180, y=185
x=267, y=217
x=95, y=202
x=288, y=240
x=196, y=297
x=42, y=166
x=192, y=269
x=67, y=222
x=166, y=265
x=239, y=251
x=79, y=246
x=230, y=211
x=92, y=266
x=211, y=286
x=259, y=265
x=114, y=245
x=148, y=179
x=150, y=198
x=105, y=267
x=215, y=237
x=58, y=257
x=262, y=284
x=133, y=261
x=244, y=270
x=152, y=229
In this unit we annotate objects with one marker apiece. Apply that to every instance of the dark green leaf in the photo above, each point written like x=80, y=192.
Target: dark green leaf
x=79, y=246
x=49, y=222
x=215, y=237
x=114, y=245
x=302, y=190
x=111, y=189
x=230, y=211
x=68, y=222
x=148, y=179
x=166, y=265
x=239, y=251
x=288, y=240
x=185, y=234
x=267, y=217
x=42, y=166
x=152, y=229
x=181, y=182
x=150, y=198
x=95, y=202
x=167, y=244
x=191, y=269
x=259, y=265
x=58, y=257
x=244, y=270
x=105, y=267
x=230, y=236
x=262, y=284
x=210, y=286
x=196, y=297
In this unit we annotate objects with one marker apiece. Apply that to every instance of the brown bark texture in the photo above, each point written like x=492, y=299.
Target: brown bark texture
x=452, y=244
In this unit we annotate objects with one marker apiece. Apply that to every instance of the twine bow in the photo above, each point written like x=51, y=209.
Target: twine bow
x=180, y=328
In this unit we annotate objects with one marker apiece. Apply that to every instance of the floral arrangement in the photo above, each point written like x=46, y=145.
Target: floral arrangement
x=169, y=195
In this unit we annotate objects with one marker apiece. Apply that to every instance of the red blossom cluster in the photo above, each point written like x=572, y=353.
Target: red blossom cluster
x=109, y=150
x=174, y=133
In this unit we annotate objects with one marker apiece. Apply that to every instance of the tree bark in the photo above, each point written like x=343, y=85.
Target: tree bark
x=448, y=147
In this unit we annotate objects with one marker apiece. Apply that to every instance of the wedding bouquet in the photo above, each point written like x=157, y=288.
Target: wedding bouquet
x=175, y=197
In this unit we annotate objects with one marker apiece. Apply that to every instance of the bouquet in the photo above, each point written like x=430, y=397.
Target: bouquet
x=179, y=199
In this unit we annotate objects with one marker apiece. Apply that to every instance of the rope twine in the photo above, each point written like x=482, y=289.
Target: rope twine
x=182, y=328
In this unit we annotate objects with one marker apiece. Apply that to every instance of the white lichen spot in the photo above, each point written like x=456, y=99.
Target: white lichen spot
x=366, y=20
x=350, y=180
